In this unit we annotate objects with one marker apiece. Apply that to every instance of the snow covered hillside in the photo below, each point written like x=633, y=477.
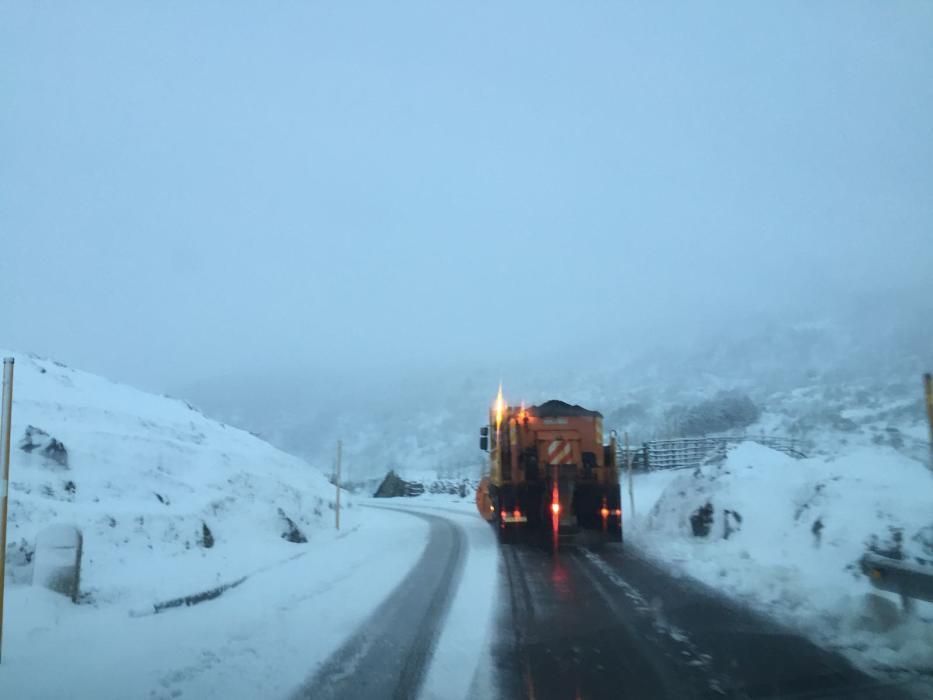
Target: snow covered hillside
x=167, y=499
x=786, y=536
x=173, y=504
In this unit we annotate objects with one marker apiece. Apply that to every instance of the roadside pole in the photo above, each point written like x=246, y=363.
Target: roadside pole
x=631, y=486
x=5, y=417
x=337, y=483
x=928, y=392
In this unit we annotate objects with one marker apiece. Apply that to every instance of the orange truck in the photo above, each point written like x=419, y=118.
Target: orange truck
x=549, y=472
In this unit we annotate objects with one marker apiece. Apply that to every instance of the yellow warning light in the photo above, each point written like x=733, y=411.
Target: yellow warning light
x=500, y=407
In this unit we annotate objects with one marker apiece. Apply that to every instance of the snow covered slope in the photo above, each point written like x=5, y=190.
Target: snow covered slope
x=171, y=504
x=786, y=536
x=167, y=499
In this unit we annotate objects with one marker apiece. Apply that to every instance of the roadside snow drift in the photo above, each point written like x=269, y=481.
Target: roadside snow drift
x=167, y=499
x=786, y=536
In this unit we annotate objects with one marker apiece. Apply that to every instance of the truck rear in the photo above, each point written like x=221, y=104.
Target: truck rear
x=549, y=473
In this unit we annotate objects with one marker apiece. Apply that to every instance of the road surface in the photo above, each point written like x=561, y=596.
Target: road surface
x=389, y=655
x=605, y=623
x=585, y=622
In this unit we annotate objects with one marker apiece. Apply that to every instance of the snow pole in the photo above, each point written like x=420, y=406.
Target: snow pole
x=337, y=484
x=5, y=416
x=631, y=487
x=928, y=392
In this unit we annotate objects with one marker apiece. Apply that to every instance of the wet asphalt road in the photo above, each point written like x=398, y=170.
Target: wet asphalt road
x=585, y=622
x=604, y=623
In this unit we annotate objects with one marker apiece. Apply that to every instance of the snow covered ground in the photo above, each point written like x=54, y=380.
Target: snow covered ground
x=166, y=498
x=785, y=536
x=171, y=503
x=260, y=639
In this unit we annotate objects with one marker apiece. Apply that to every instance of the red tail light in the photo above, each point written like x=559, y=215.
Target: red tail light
x=618, y=511
x=517, y=513
x=555, y=507
x=604, y=512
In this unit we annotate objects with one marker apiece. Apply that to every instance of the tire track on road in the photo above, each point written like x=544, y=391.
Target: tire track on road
x=569, y=639
x=388, y=656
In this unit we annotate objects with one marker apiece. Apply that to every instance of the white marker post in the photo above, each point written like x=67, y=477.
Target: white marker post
x=631, y=487
x=5, y=419
x=337, y=483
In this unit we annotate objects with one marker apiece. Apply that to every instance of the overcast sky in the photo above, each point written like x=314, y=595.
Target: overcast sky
x=190, y=187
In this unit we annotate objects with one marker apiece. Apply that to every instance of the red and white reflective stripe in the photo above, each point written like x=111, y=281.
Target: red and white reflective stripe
x=559, y=451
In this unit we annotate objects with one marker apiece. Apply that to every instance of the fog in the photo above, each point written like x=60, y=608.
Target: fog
x=193, y=194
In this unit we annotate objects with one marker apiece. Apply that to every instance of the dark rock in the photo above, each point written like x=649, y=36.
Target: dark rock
x=732, y=522
x=701, y=521
x=207, y=537
x=292, y=532
x=393, y=486
x=33, y=437
x=37, y=439
x=817, y=530
x=56, y=452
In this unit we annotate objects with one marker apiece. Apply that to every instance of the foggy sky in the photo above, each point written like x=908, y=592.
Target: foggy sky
x=192, y=189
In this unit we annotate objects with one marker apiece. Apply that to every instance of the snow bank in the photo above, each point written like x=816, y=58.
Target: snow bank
x=172, y=503
x=786, y=536
x=168, y=501
x=263, y=639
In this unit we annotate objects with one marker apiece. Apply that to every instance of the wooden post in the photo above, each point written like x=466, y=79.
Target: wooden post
x=928, y=392
x=631, y=488
x=6, y=409
x=337, y=484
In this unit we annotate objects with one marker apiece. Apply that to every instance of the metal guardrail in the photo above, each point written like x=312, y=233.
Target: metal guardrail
x=689, y=453
x=899, y=576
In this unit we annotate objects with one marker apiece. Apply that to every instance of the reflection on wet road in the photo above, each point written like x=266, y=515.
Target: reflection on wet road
x=604, y=623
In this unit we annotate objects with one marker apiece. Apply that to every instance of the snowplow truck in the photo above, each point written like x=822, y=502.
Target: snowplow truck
x=549, y=473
